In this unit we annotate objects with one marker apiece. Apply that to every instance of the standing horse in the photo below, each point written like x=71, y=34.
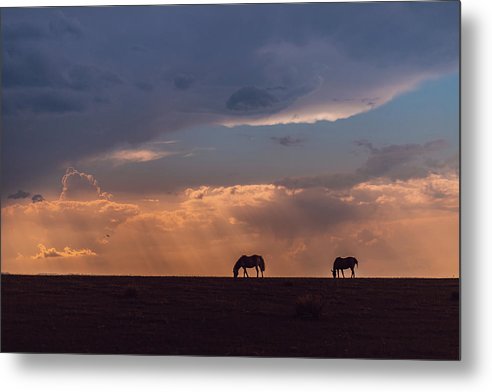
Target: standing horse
x=244, y=262
x=342, y=263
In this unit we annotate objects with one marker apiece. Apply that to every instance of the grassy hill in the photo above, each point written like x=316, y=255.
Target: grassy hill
x=288, y=317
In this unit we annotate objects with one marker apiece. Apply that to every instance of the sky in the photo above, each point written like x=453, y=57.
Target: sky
x=171, y=140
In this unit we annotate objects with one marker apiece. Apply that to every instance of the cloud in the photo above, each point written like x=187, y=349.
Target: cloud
x=90, y=77
x=287, y=140
x=48, y=102
x=30, y=68
x=44, y=252
x=404, y=228
x=321, y=82
x=301, y=231
x=298, y=64
x=281, y=211
x=81, y=186
x=183, y=81
x=412, y=194
x=37, y=198
x=19, y=195
x=54, y=26
x=35, y=69
x=82, y=224
x=395, y=162
x=250, y=99
x=138, y=155
x=99, y=215
x=144, y=86
x=23, y=31
x=62, y=25
x=290, y=215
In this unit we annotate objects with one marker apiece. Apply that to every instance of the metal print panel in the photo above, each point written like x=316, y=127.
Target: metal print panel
x=232, y=180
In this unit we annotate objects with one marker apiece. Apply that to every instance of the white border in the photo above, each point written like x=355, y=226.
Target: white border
x=474, y=372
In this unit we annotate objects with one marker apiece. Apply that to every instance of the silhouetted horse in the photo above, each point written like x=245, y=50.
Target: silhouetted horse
x=342, y=263
x=244, y=262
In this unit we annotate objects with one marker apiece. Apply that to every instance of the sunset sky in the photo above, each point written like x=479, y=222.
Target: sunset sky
x=170, y=140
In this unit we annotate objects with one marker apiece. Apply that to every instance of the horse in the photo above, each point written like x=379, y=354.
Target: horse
x=249, y=262
x=342, y=263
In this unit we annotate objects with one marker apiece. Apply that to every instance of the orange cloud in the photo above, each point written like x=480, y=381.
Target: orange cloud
x=133, y=155
x=396, y=228
x=45, y=252
x=81, y=186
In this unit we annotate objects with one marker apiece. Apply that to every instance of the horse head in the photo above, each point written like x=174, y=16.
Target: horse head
x=236, y=268
x=334, y=273
x=261, y=263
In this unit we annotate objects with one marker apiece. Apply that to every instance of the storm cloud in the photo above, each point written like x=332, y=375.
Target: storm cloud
x=19, y=195
x=297, y=64
x=393, y=162
x=37, y=198
x=287, y=140
x=46, y=102
x=250, y=99
x=183, y=81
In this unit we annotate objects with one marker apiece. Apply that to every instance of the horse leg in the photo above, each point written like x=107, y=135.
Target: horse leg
x=343, y=274
x=246, y=272
x=262, y=273
x=353, y=272
x=256, y=271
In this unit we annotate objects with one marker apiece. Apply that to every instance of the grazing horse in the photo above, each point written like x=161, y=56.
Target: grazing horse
x=244, y=262
x=342, y=263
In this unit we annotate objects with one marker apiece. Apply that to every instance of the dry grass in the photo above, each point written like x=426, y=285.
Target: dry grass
x=309, y=306
x=130, y=292
x=362, y=318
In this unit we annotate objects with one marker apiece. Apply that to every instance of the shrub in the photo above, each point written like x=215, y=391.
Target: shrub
x=309, y=306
